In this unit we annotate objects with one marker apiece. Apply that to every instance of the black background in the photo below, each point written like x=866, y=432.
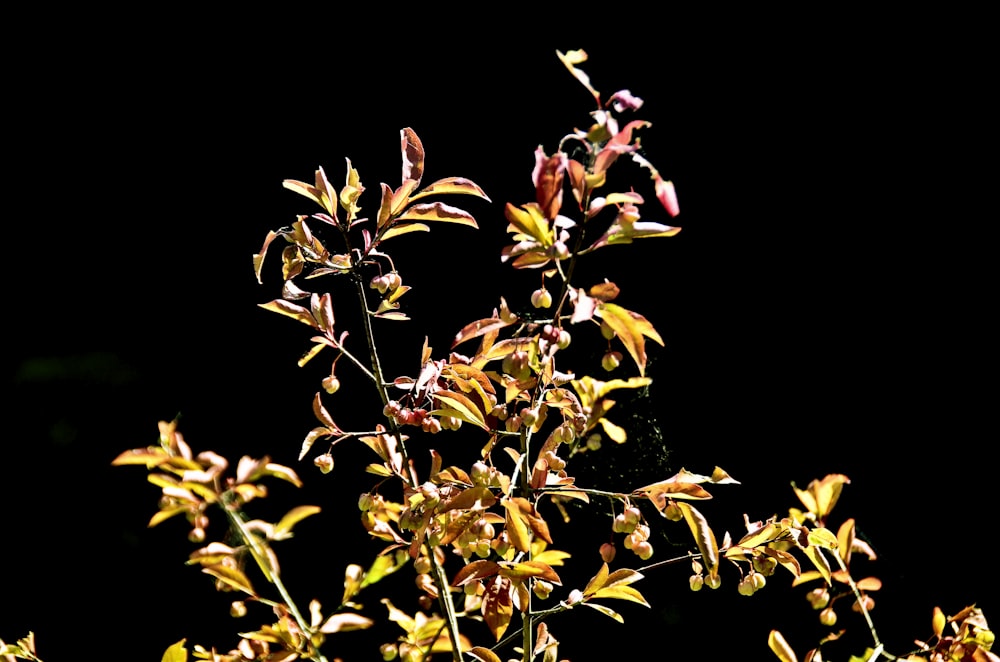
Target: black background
x=825, y=308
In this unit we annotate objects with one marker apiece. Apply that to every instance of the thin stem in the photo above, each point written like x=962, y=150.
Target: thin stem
x=860, y=601
x=440, y=578
x=260, y=558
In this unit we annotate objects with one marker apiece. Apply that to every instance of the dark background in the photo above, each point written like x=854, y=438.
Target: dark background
x=825, y=308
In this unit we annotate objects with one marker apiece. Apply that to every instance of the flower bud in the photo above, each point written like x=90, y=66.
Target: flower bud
x=324, y=462
x=611, y=360
x=331, y=384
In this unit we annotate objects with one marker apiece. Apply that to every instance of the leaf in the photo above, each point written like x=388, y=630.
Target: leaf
x=283, y=529
x=478, y=569
x=438, y=211
x=345, y=623
x=631, y=328
x=480, y=328
x=448, y=185
x=703, y=536
x=621, y=593
x=292, y=310
x=413, y=155
x=780, y=647
x=483, y=654
x=404, y=228
x=525, y=569
x=610, y=613
x=151, y=457
x=572, y=58
x=529, y=221
x=166, y=514
x=282, y=472
x=231, y=577
x=498, y=606
x=463, y=405
x=175, y=653
x=516, y=528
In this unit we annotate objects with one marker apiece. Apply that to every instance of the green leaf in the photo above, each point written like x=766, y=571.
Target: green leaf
x=176, y=653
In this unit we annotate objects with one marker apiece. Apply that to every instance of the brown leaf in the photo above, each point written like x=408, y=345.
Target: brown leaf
x=438, y=211
x=498, y=606
x=413, y=155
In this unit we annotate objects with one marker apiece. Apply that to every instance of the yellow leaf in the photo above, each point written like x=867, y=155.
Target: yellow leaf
x=483, y=654
x=231, y=577
x=175, y=653
x=631, y=328
x=780, y=647
x=621, y=593
x=703, y=536
x=611, y=613
x=283, y=529
x=404, y=228
x=292, y=310
x=462, y=404
x=516, y=528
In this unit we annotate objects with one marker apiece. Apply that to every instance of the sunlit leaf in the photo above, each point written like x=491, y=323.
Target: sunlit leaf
x=478, y=569
x=382, y=567
x=526, y=569
x=345, y=622
x=615, y=432
x=822, y=537
x=232, y=577
x=404, y=228
x=292, y=310
x=611, y=613
x=515, y=527
x=175, y=653
x=621, y=593
x=530, y=221
x=572, y=58
x=631, y=328
x=497, y=606
x=283, y=529
x=815, y=554
x=780, y=647
x=166, y=514
x=462, y=404
x=703, y=536
x=151, y=457
x=450, y=185
x=282, y=472
x=438, y=211
x=483, y=654
x=413, y=154
x=597, y=581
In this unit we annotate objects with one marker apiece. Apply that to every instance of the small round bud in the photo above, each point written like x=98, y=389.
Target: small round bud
x=594, y=442
x=608, y=552
x=331, y=384
x=611, y=360
x=238, y=609
x=673, y=512
x=542, y=588
x=607, y=331
x=575, y=596
x=365, y=502
x=197, y=535
x=696, y=582
x=745, y=587
x=713, y=581
x=828, y=617
x=324, y=462
x=564, y=339
x=644, y=550
x=422, y=565
x=758, y=581
x=541, y=298
x=818, y=598
x=389, y=652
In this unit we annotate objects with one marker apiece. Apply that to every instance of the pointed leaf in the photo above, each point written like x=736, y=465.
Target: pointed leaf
x=497, y=606
x=462, y=404
x=483, y=654
x=404, y=228
x=345, y=622
x=515, y=526
x=283, y=529
x=610, y=613
x=438, y=211
x=703, y=536
x=175, y=653
x=621, y=593
x=413, y=155
x=292, y=310
x=231, y=577
x=631, y=328
x=448, y=185
x=780, y=647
